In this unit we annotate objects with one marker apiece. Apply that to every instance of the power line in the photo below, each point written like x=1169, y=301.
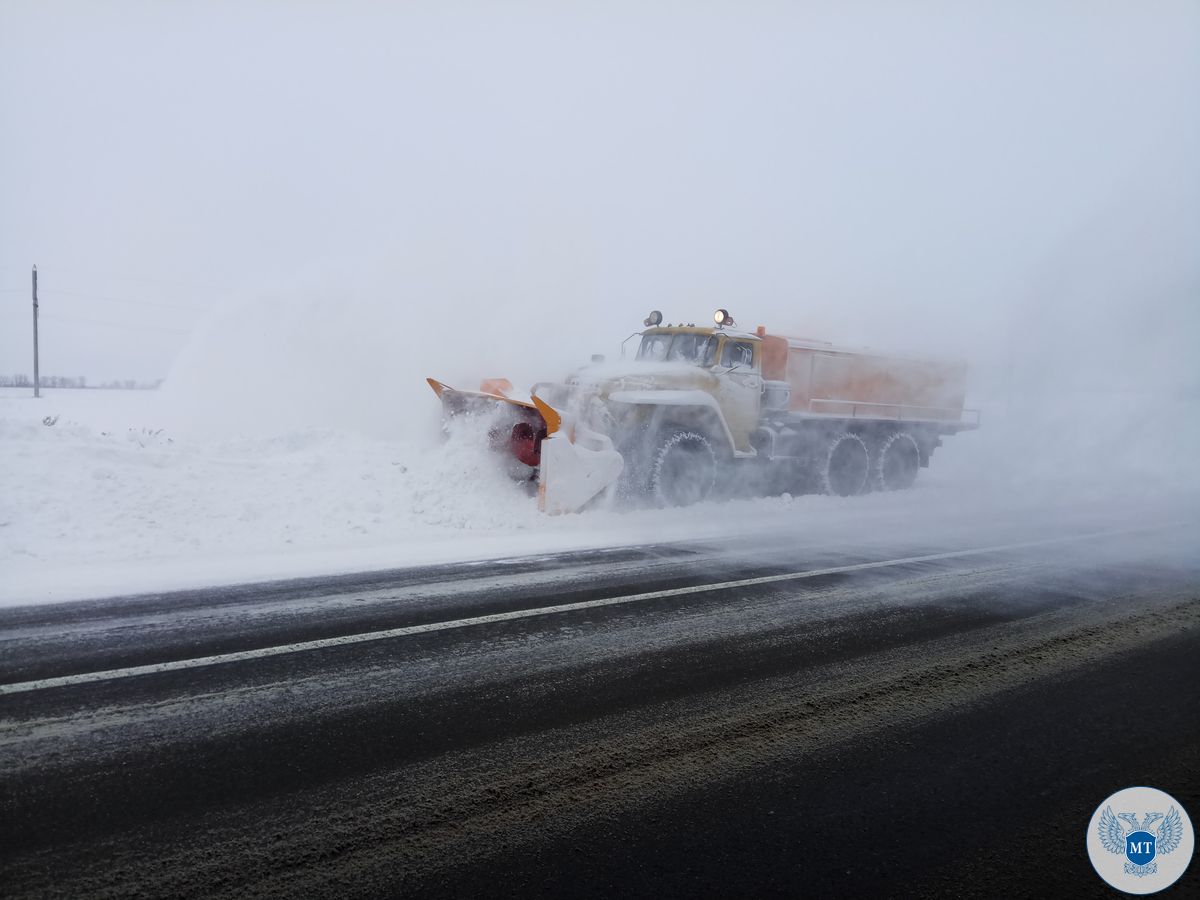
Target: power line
x=141, y=327
x=14, y=317
x=109, y=299
x=192, y=285
x=88, y=296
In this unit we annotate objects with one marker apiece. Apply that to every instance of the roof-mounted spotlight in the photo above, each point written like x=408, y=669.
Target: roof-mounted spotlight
x=722, y=317
x=655, y=318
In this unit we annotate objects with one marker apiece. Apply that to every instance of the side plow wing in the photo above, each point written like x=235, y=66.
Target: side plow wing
x=517, y=426
x=455, y=401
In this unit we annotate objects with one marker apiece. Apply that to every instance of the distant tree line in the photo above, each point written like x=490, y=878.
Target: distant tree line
x=77, y=381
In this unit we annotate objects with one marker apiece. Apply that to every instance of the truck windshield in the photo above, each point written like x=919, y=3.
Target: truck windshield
x=697, y=349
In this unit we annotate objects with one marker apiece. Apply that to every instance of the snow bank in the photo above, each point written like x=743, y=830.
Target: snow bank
x=90, y=477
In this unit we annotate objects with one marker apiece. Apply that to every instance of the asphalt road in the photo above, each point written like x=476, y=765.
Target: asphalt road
x=752, y=718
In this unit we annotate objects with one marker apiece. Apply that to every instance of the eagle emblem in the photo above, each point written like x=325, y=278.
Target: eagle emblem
x=1140, y=842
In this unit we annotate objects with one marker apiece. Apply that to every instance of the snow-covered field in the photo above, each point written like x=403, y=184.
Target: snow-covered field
x=103, y=492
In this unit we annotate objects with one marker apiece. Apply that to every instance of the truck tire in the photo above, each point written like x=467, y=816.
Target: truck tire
x=684, y=469
x=846, y=468
x=896, y=462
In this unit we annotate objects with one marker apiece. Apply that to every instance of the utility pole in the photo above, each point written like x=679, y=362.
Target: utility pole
x=37, y=381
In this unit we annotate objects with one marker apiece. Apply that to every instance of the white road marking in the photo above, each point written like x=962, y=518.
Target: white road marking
x=346, y=640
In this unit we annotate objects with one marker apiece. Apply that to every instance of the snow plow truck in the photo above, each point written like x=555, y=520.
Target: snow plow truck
x=708, y=411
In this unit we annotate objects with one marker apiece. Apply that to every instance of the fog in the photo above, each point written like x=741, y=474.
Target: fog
x=297, y=211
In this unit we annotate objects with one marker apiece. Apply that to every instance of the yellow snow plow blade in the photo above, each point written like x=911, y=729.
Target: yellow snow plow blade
x=573, y=465
x=549, y=414
x=515, y=427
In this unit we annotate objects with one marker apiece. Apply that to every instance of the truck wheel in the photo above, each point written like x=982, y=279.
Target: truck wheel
x=897, y=461
x=846, y=467
x=684, y=470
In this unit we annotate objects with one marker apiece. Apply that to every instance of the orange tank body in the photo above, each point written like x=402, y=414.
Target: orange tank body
x=827, y=380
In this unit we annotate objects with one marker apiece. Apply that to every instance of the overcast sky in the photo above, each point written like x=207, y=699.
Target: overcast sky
x=209, y=178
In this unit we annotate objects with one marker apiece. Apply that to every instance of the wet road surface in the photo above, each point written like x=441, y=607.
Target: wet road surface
x=688, y=719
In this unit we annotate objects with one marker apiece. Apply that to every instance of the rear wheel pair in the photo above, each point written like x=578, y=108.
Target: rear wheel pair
x=683, y=466
x=896, y=462
x=850, y=468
